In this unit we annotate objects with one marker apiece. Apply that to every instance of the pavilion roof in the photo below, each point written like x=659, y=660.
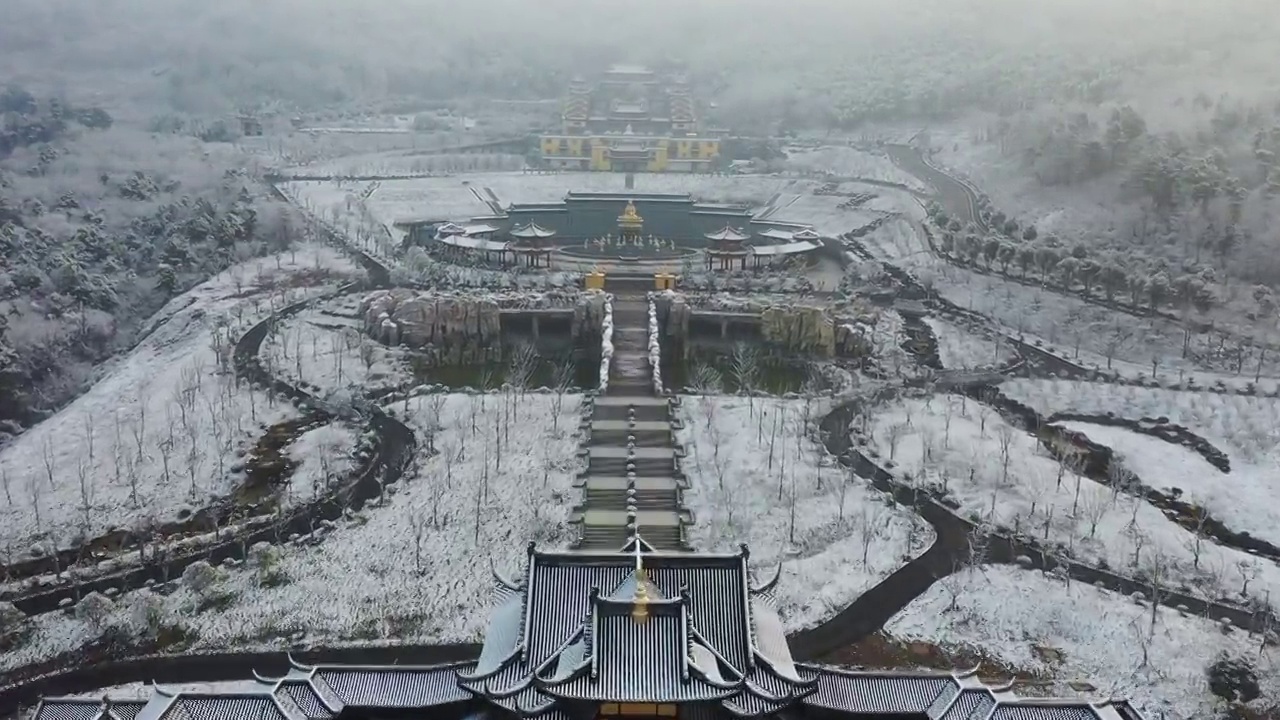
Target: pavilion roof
x=532, y=230
x=791, y=248
x=727, y=234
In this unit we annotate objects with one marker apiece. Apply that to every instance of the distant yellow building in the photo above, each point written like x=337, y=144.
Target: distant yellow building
x=632, y=120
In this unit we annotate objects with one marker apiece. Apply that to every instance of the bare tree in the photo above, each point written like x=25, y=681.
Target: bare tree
x=90, y=424
x=35, y=505
x=1005, y=433
x=1139, y=540
x=418, y=526
x=139, y=426
x=48, y=458
x=867, y=528
x=1196, y=541
x=894, y=435
x=1143, y=639
x=86, y=496
x=744, y=365
x=1158, y=568
x=947, y=411
x=1094, y=508
x=563, y=380
x=1249, y=570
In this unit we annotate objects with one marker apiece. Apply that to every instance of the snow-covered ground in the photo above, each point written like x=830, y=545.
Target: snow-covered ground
x=409, y=162
x=322, y=455
x=161, y=429
x=325, y=347
x=413, y=569
x=451, y=197
x=957, y=445
x=1083, y=332
x=844, y=161
x=1242, y=427
x=960, y=348
x=1078, y=634
x=836, y=535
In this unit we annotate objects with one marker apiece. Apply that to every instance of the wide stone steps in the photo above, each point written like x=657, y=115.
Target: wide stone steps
x=643, y=438
x=650, y=467
x=614, y=537
x=638, y=481
x=644, y=499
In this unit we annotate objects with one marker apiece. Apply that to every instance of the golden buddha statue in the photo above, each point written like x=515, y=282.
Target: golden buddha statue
x=629, y=216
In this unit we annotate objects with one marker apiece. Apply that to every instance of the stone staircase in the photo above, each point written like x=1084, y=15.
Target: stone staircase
x=633, y=465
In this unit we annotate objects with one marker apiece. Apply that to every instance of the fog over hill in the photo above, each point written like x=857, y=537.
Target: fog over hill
x=848, y=57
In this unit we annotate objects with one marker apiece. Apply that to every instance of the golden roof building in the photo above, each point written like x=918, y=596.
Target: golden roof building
x=631, y=119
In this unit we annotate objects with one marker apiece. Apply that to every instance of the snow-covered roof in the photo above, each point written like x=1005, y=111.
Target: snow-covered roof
x=806, y=234
x=480, y=229
x=777, y=234
x=790, y=248
x=450, y=229
x=532, y=230
x=727, y=234
x=574, y=630
x=468, y=242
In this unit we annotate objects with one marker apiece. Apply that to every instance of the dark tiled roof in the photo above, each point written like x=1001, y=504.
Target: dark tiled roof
x=639, y=661
x=394, y=687
x=941, y=703
x=1028, y=710
x=125, y=709
x=60, y=709
x=305, y=697
x=960, y=707
x=223, y=707
x=877, y=693
x=982, y=709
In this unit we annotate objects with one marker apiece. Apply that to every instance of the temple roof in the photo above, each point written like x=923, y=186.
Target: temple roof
x=634, y=625
x=532, y=230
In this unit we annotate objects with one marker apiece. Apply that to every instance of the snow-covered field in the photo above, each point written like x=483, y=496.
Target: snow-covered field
x=409, y=162
x=836, y=535
x=325, y=347
x=322, y=455
x=1094, y=211
x=451, y=197
x=1242, y=427
x=161, y=429
x=1001, y=476
x=413, y=569
x=961, y=348
x=1077, y=634
x=1084, y=332
x=844, y=161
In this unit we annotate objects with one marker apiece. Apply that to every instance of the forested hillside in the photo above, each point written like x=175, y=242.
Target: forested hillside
x=99, y=227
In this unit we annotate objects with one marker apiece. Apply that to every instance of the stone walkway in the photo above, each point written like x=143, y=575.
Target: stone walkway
x=633, y=470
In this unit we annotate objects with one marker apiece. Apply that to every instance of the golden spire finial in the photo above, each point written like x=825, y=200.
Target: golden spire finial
x=640, y=607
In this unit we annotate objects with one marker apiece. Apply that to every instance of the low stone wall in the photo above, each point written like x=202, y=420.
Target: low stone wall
x=1095, y=461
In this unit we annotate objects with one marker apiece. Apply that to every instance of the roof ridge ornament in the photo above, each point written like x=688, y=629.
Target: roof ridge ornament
x=770, y=583
x=640, y=608
x=502, y=580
